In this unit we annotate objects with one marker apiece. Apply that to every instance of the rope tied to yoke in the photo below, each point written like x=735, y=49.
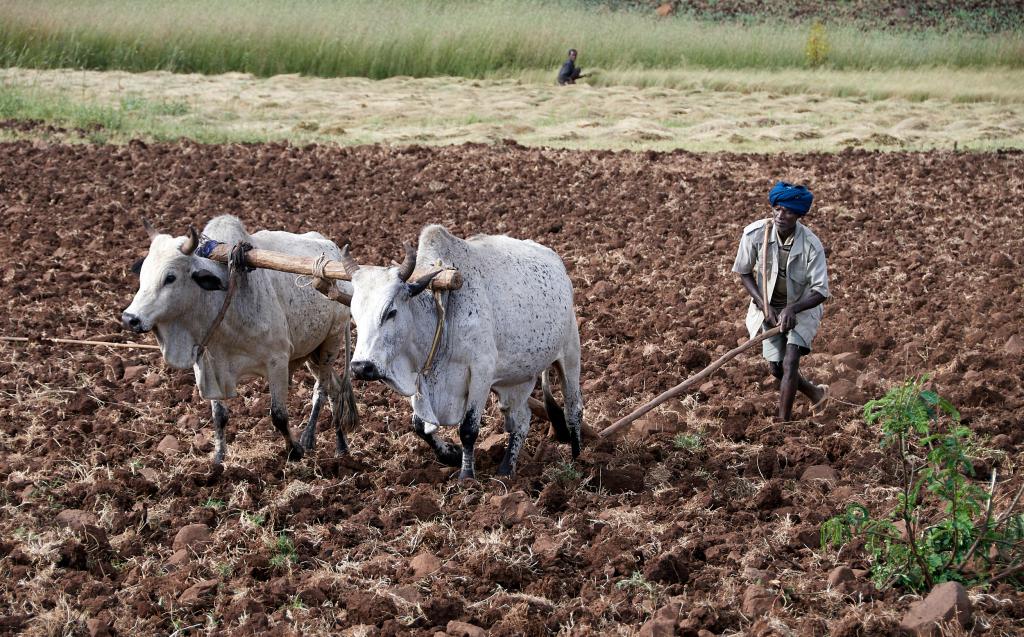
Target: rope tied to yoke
x=237, y=267
x=317, y=277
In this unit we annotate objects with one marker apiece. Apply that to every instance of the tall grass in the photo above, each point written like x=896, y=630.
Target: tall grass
x=423, y=38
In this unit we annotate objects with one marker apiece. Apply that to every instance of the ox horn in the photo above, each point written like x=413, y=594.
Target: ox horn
x=150, y=230
x=422, y=282
x=348, y=262
x=405, y=270
x=191, y=243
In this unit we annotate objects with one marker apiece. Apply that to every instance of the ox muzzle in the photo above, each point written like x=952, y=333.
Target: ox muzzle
x=366, y=370
x=133, y=323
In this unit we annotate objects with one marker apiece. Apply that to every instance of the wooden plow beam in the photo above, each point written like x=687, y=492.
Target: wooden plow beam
x=448, y=279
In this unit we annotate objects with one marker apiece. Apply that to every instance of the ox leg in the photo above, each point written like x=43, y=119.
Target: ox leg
x=570, y=372
x=220, y=422
x=469, y=430
x=343, y=401
x=515, y=408
x=308, y=438
x=278, y=380
x=446, y=452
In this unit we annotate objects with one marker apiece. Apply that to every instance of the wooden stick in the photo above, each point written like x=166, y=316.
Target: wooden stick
x=689, y=382
x=764, y=269
x=71, y=341
x=448, y=279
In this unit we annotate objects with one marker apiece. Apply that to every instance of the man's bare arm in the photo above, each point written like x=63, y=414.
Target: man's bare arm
x=750, y=283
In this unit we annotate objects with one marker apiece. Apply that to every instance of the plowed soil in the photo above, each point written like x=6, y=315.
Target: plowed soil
x=925, y=260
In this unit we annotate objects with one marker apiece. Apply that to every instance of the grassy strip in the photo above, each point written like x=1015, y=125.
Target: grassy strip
x=424, y=38
x=96, y=122
x=116, y=106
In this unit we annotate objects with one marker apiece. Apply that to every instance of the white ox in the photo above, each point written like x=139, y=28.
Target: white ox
x=510, y=322
x=271, y=326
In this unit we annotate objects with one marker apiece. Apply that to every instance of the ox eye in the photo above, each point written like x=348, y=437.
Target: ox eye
x=390, y=315
x=170, y=278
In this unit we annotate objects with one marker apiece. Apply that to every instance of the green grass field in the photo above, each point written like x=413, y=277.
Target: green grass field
x=429, y=38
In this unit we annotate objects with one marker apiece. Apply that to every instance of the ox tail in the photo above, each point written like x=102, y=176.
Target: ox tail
x=350, y=417
x=554, y=410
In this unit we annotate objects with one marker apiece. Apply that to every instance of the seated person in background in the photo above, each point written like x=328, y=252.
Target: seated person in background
x=569, y=73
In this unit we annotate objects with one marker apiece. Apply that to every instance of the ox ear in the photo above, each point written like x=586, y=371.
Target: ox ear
x=137, y=266
x=208, y=280
x=421, y=283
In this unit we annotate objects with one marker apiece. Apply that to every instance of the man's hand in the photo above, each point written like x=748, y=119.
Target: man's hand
x=787, y=319
x=771, y=316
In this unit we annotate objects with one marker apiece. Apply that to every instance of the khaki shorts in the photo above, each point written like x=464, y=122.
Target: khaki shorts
x=774, y=348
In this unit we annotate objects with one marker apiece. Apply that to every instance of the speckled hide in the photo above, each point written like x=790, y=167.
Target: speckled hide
x=271, y=326
x=511, y=321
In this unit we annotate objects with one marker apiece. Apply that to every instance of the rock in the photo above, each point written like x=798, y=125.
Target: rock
x=424, y=564
x=133, y=373
x=545, y=548
x=665, y=10
x=1000, y=260
x=839, y=575
x=462, y=629
x=179, y=558
x=852, y=360
x=150, y=474
x=409, y=593
x=189, y=422
x=602, y=289
x=193, y=537
x=819, y=472
x=1014, y=346
x=652, y=423
x=663, y=623
x=422, y=506
x=947, y=603
x=195, y=593
x=514, y=507
x=76, y=519
x=169, y=446
x=202, y=442
x=757, y=601
x=847, y=390
x=493, y=447
x=98, y=628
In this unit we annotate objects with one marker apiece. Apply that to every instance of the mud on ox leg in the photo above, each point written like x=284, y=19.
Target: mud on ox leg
x=277, y=378
x=568, y=423
x=515, y=407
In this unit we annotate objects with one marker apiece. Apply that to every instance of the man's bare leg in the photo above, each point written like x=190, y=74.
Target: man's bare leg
x=790, y=381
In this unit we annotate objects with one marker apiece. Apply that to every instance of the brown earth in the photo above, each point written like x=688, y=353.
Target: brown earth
x=714, y=528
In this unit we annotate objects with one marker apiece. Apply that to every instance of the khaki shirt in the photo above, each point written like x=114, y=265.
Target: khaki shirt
x=806, y=272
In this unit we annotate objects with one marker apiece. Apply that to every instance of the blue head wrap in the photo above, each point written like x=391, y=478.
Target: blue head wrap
x=796, y=198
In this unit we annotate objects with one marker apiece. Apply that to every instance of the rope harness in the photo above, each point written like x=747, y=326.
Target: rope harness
x=236, y=268
x=436, y=344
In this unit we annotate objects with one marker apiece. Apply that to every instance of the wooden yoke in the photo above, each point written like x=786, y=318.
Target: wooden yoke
x=448, y=279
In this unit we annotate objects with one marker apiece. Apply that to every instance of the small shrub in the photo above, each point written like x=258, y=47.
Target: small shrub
x=690, y=442
x=816, y=49
x=948, y=530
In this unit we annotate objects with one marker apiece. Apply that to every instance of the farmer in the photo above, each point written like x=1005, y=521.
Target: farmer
x=569, y=73
x=797, y=286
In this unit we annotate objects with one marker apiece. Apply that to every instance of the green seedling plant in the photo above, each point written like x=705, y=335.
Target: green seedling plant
x=942, y=527
x=283, y=552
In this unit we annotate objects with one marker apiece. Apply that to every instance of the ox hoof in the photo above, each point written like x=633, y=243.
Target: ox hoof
x=451, y=459
x=294, y=453
x=467, y=475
